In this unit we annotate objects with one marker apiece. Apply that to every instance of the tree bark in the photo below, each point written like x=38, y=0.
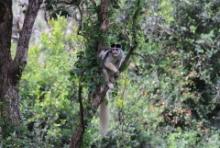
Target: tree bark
x=8, y=93
x=11, y=70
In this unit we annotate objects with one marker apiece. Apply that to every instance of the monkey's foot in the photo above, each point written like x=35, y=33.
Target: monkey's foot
x=110, y=86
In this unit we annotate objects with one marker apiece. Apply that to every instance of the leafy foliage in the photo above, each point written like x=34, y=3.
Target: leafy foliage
x=167, y=97
x=48, y=89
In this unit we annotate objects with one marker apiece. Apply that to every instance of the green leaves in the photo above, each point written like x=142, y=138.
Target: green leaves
x=48, y=89
x=168, y=96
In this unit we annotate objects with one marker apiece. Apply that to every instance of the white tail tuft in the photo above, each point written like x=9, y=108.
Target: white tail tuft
x=104, y=118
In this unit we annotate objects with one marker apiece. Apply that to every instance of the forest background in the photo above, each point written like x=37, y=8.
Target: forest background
x=168, y=92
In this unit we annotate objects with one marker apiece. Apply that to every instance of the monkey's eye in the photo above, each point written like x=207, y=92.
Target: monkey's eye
x=115, y=49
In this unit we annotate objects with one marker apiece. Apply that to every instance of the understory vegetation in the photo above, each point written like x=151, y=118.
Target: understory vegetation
x=167, y=96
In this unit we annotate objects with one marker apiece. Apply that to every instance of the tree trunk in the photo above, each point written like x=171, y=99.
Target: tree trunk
x=97, y=96
x=11, y=70
x=8, y=92
x=9, y=102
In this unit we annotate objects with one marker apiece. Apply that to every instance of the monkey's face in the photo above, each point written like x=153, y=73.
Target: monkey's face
x=116, y=49
x=115, y=52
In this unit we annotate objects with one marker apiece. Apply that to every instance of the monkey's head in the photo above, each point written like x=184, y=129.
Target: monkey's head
x=116, y=49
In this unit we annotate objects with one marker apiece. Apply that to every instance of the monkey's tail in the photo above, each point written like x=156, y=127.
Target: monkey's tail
x=104, y=117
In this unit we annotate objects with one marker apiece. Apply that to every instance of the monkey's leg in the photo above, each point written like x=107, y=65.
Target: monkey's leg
x=112, y=78
x=107, y=79
x=111, y=67
x=106, y=76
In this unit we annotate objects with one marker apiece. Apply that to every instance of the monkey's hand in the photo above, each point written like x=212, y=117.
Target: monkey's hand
x=110, y=85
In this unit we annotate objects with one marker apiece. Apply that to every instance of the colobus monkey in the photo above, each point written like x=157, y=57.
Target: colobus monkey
x=111, y=60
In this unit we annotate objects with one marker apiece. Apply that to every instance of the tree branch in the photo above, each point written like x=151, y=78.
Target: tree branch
x=20, y=59
x=126, y=61
x=76, y=140
x=134, y=34
x=98, y=95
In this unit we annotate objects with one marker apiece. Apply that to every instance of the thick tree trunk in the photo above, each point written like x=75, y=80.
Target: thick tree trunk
x=8, y=91
x=10, y=104
x=11, y=70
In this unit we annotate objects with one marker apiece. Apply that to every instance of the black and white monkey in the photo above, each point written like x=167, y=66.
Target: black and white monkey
x=111, y=60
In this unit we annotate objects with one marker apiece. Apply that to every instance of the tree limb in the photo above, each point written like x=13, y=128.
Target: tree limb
x=98, y=95
x=76, y=140
x=134, y=34
x=20, y=59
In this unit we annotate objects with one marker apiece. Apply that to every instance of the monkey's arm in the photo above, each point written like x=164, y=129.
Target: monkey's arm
x=103, y=53
x=106, y=76
x=111, y=67
x=108, y=79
